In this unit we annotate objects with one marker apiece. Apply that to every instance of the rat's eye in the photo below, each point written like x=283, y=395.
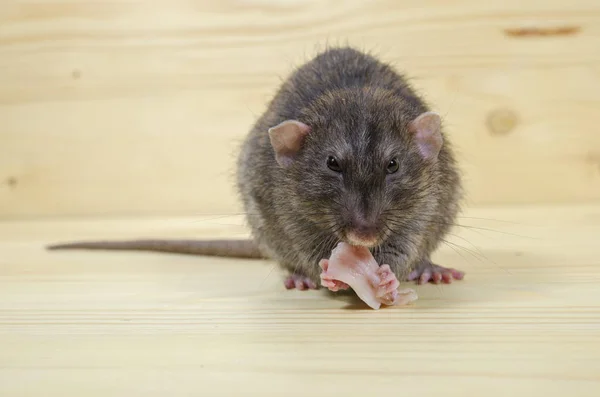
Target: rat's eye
x=392, y=166
x=333, y=165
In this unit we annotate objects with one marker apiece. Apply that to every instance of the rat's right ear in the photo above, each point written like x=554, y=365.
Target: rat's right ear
x=287, y=138
x=426, y=129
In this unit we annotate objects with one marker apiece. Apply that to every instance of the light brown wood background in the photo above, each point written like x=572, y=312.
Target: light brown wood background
x=135, y=107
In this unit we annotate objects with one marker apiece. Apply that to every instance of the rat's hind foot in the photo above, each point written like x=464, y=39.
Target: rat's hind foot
x=427, y=271
x=327, y=281
x=299, y=282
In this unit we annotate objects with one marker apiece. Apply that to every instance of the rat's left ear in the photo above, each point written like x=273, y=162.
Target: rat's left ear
x=287, y=139
x=426, y=129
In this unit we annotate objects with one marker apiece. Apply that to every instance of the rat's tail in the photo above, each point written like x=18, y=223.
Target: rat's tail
x=223, y=248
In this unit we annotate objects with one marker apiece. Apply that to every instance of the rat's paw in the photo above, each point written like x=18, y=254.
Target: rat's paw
x=327, y=281
x=388, y=281
x=299, y=282
x=430, y=272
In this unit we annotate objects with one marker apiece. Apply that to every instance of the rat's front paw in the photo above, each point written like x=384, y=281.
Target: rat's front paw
x=327, y=281
x=387, y=289
x=388, y=281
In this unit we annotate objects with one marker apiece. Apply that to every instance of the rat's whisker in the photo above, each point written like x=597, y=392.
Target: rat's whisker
x=473, y=245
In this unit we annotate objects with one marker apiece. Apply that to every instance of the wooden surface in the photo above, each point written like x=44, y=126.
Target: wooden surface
x=524, y=322
x=138, y=108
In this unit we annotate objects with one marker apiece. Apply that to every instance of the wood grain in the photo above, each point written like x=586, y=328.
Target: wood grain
x=138, y=108
x=524, y=322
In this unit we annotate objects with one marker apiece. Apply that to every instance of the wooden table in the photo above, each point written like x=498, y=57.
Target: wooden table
x=524, y=322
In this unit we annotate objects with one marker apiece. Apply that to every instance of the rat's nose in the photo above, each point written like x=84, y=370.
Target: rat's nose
x=362, y=232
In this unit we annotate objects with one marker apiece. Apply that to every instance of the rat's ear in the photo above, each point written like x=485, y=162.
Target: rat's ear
x=287, y=138
x=426, y=129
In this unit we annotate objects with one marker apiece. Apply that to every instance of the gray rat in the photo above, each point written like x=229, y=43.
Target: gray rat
x=346, y=151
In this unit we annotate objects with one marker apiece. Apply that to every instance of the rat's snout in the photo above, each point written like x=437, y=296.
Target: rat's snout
x=363, y=232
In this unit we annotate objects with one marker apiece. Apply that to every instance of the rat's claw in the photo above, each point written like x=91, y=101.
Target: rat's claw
x=457, y=274
x=425, y=277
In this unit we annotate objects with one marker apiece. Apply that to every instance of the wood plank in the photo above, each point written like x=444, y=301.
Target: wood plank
x=131, y=108
x=524, y=321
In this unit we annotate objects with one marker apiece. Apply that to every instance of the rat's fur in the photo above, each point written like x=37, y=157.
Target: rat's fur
x=359, y=110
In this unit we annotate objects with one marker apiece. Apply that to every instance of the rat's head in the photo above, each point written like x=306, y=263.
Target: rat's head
x=362, y=164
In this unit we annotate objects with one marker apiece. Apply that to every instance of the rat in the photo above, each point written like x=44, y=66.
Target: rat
x=346, y=151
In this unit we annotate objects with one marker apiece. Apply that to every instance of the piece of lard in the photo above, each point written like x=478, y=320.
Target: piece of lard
x=356, y=267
